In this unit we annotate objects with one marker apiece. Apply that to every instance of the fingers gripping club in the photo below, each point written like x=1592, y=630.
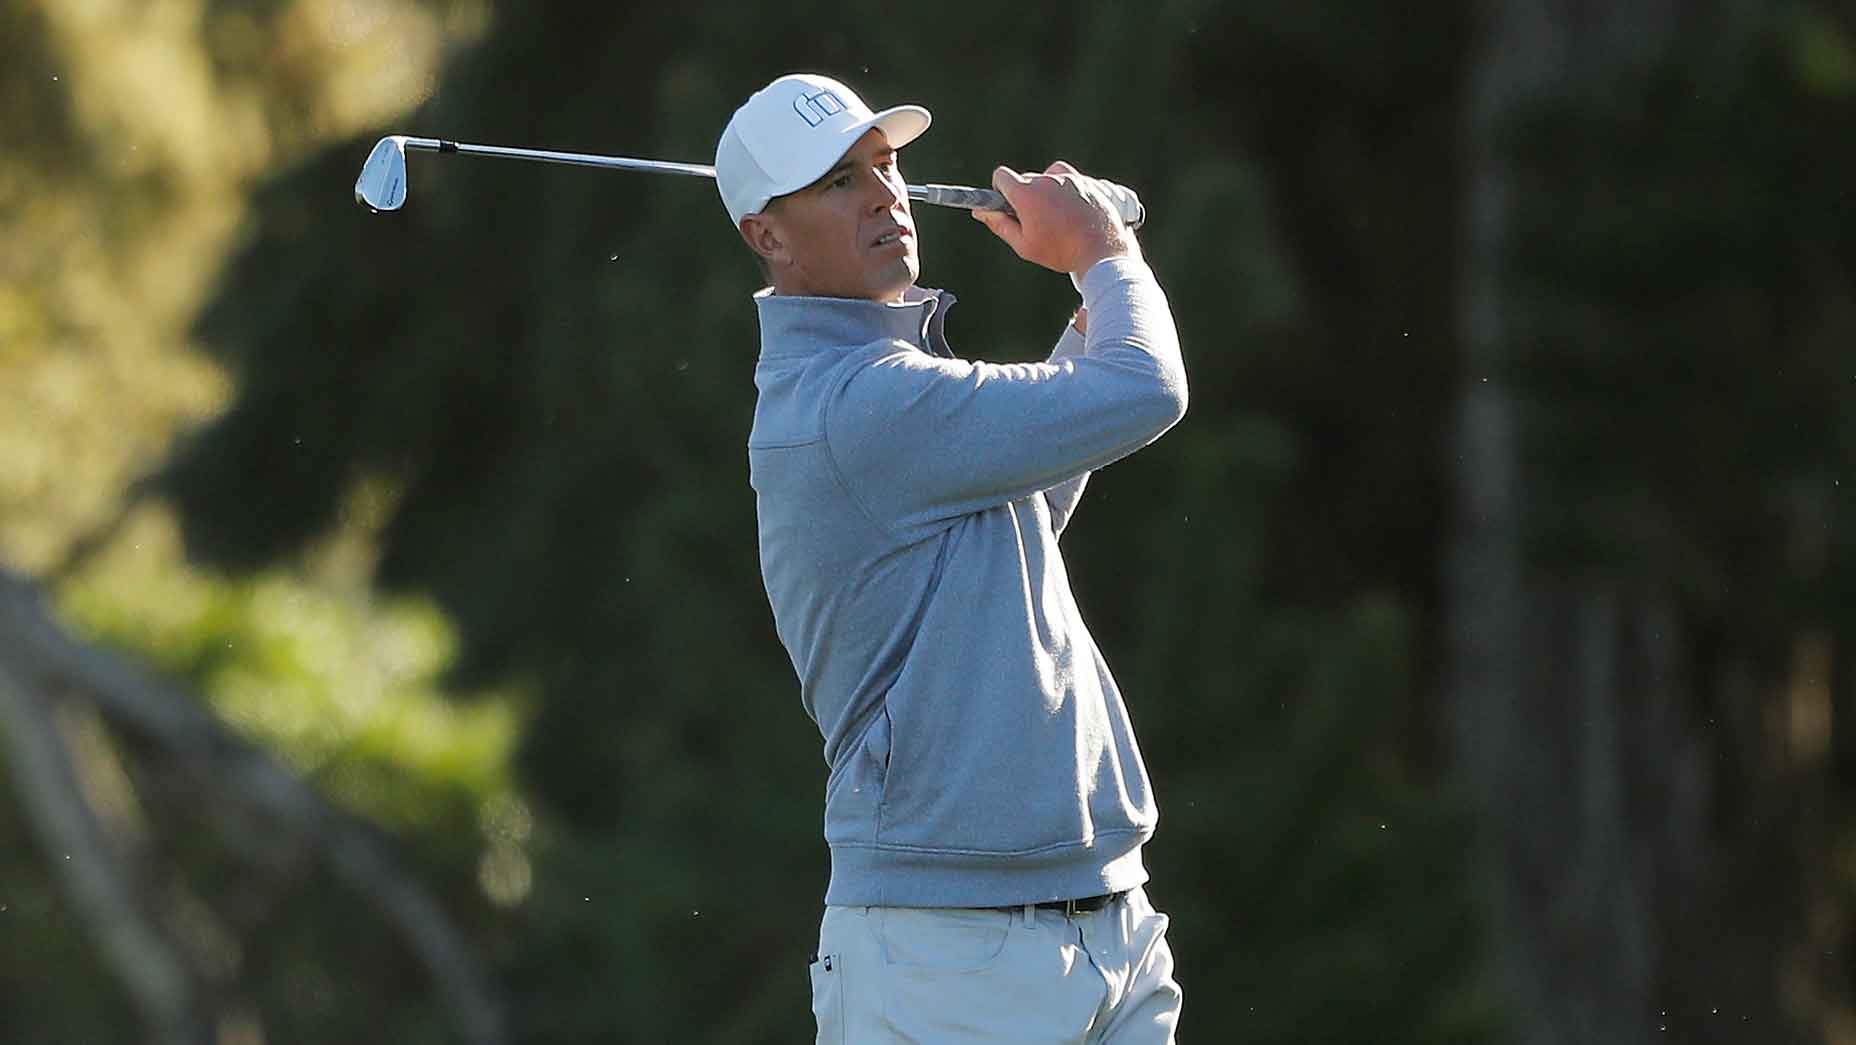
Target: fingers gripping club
x=1124, y=199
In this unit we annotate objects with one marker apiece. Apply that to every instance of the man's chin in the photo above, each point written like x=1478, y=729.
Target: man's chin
x=898, y=277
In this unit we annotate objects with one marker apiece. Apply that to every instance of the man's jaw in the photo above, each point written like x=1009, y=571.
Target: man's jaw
x=907, y=270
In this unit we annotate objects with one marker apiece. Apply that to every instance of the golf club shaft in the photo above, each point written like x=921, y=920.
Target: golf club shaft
x=579, y=159
x=938, y=195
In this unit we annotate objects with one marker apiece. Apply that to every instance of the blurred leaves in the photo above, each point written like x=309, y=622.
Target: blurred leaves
x=130, y=134
x=344, y=687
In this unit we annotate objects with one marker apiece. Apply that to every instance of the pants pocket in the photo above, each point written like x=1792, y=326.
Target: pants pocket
x=828, y=998
x=944, y=940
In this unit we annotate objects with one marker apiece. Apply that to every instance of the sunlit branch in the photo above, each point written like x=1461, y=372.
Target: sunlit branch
x=241, y=787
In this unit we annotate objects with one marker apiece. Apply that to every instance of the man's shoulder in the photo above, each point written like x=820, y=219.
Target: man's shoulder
x=795, y=392
x=824, y=370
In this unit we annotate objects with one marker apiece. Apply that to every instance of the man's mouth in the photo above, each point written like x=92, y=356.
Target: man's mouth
x=887, y=238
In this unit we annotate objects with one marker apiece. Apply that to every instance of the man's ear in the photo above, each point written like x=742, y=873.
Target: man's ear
x=762, y=236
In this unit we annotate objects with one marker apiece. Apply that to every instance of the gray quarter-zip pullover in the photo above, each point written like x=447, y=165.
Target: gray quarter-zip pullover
x=910, y=504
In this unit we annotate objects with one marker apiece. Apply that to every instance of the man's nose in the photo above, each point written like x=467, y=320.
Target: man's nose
x=889, y=192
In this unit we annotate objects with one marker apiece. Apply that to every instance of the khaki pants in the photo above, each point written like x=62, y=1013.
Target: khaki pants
x=934, y=976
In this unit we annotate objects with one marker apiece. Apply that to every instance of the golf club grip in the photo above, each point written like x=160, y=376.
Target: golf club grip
x=1121, y=196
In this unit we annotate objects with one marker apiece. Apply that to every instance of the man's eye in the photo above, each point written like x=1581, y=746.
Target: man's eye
x=840, y=181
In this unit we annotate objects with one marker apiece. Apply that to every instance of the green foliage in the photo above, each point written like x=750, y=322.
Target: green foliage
x=129, y=134
x=346, y=691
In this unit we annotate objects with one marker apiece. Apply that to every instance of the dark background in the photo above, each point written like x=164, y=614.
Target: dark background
x=1484, y=623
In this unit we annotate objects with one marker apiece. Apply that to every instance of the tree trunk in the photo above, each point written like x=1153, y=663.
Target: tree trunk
x=101, y=881
x=1567, y=718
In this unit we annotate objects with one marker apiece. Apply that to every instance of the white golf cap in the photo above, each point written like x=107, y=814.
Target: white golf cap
x=792, y=131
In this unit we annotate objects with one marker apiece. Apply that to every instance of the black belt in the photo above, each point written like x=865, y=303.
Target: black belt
x=1085, y=905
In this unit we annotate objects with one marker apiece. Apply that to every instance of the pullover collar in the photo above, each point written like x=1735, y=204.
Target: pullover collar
x=800, y=326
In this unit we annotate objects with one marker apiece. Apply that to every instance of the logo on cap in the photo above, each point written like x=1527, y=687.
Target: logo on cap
x=816, y=107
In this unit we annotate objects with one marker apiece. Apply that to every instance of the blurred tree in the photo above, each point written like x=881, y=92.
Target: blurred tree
x=1578, y=957
x=129, y=136
x=1651, y=586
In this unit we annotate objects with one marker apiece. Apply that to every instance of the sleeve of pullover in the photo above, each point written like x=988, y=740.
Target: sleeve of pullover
x=919, y=439
x=1063, y=498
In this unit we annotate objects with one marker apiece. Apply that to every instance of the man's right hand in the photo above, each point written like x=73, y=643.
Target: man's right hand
x=1064, y=223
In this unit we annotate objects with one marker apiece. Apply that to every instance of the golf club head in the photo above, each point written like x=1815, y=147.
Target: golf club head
x=382, y=184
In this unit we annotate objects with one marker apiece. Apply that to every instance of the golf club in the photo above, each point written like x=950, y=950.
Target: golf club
x=382, y=184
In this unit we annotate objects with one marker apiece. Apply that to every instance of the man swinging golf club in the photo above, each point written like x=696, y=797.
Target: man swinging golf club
x=987, y=803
